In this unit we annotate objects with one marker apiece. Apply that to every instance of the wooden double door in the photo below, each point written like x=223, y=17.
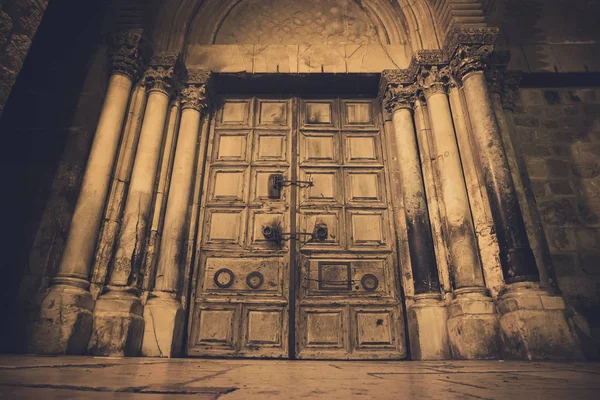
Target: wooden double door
x=296, y=242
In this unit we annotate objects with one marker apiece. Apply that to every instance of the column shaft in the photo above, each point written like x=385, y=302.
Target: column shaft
x=174, y=229
x=85, y=224
x=465, y=266
x=139, y=198
x=518, y=262
x=420, y=242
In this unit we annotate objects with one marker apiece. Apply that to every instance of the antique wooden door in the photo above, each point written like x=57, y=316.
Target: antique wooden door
x=325, y=284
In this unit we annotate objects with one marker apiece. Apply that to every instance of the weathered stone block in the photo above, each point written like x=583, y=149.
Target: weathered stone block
x=15, y=51
x=538, y=335
x=164, y=324
x=428, y=334
x=558, y=212
x=552, y=97
x=474, y=337
x=65, y=322
x=118, y=326
x=6, y=26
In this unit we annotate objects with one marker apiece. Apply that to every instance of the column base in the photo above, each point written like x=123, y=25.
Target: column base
x=533, y=325
x=118, y=325
x=427, y=331
x=164, y=319
x=65, y=320
x=473, y=326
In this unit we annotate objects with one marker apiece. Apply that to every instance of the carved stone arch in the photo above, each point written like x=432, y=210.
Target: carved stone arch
x=403, y=21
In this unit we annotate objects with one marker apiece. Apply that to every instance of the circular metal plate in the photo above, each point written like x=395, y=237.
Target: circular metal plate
x=255, y=279
x=224, y=278
x=369, y=282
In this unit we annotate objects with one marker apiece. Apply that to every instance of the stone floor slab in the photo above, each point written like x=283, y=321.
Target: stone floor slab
x=70, y=377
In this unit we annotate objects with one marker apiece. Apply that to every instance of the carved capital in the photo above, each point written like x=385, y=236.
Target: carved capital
x=195, y=93
x=164, y=73
x=468, y=49
x=434, y=79
x=130, y=52
x=398, y=96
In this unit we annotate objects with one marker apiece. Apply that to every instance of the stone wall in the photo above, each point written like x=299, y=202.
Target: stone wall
x=47, y=127
x=19, y=21
x=559, y=133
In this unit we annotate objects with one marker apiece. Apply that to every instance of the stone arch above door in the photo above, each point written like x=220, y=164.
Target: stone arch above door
x=393, y=31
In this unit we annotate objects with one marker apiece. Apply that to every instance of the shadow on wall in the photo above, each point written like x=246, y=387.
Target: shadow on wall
x=559, y=130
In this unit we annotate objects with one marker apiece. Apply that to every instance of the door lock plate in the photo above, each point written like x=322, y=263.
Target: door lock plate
x=278, y=181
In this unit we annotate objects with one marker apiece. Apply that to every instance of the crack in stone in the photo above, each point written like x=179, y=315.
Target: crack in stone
x=146, y=389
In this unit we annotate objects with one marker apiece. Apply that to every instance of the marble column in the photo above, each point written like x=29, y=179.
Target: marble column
x=426, y=312
x=118, y=322
x=163, y=314
x=473, y=322
x=66, y=312
x=533, y=323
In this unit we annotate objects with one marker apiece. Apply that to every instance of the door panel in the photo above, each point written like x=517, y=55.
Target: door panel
x=345, y=294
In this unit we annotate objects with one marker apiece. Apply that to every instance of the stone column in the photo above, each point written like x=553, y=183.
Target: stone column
x=164, y=315
x=66, y=312
x=427, y=315
x=533, y=323
x=473, y=322
x=118, y=323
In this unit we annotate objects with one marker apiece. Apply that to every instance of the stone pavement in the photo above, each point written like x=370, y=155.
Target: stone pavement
x=70, y=377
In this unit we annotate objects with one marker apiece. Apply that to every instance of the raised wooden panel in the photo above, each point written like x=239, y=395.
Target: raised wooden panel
x=365, y=187
x=261, y=184
x=358, y=269
x=272, y=113
x=319, y=148
x=272, y=270
x=367, y=229
x=234, y=112
x=358, y=114
x=228, y=184
x=260, y=218
x=374, y=328
x=319, y=114
x=231, y=147
x=332, y=218
x=264, y=327
x=324, y=327
x=362, y=149
x=217, y=326
x=326, y=186
x=270, y=146
x=224, y=226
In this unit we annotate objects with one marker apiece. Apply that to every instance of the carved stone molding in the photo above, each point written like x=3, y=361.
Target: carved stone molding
x=434, y=79
x=468, y=49
x=398, y=96
x=195, y=93
x=164, y=73
x=130, y=52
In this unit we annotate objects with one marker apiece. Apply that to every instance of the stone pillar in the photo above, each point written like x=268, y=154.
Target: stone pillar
x=66, y=312
x=427, y=315
x=164, y=315
x=533, y=323
x=473, y=322
x=118, y=323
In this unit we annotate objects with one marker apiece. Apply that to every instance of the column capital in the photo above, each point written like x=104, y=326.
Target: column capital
x=434, y=79
x=164, y=73
x=195, y=95
x=467, y=49
x=130, y=52
x=395, y=91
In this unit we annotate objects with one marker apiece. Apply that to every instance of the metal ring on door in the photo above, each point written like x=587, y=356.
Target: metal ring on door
x=369, y=282
x=218, y=276
x=255, y=280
